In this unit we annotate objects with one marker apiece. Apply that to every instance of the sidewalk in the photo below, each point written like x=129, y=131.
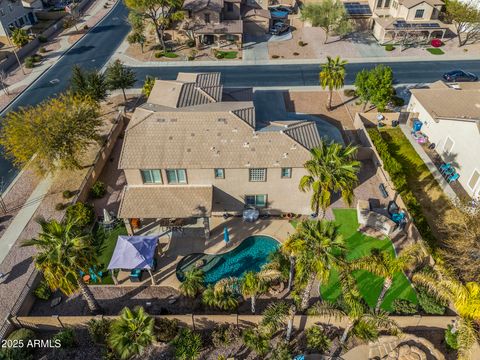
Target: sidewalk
x=56, y=47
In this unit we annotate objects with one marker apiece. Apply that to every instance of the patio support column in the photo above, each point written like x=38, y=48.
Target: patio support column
x=114, y=278
x=206, y=226
x=151, y=276
x=128, y=226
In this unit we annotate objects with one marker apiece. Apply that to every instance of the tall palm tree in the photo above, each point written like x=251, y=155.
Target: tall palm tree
x=63, y=252
x=333, y=168
x=386, y=265
x=131, y=333
x=222, y=295
x=255, y=284
x=332, y=76
x=193, y=283
x=464, y=297
x=275, y=316
x=320, y=247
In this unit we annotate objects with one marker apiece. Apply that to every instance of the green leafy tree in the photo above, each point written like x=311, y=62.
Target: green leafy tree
x=320, y=247
x=333, y=168
x=256, y=341
x=19, y=37
x=137, y=38
x=88, y=83
x=330, y=15
x=187, y=344
x=375, y=86
x=332, y=76
x=64, y=251
x=465, y=16
x=387, y=265
x=136, y=21
x=118, y=76
x=148, y=86
x=132, y=333
x=255, y=284
x=193, y=283
x=161, y=13
x=57, y=131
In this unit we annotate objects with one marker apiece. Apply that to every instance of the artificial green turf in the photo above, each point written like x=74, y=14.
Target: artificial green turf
x=435, y=51
x=369, y=285
x=227, y=54
x=105, y=242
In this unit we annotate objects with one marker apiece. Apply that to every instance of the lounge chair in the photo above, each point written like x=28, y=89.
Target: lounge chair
x=136, y=275
x=453, y=178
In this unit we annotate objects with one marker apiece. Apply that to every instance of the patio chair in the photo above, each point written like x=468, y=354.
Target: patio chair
x=447, y=173
x=444, y=167
x=136, y=275
x=453, y=178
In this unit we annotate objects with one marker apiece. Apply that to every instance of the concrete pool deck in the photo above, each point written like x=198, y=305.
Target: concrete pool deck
x=174, y=246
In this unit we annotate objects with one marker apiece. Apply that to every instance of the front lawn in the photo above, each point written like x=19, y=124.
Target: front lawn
x=369, y=285
x=105, y=242
x=435, y=51
x=226, y=54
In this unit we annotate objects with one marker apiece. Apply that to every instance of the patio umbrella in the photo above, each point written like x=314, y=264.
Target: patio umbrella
x=226, y=236
x=107, y=218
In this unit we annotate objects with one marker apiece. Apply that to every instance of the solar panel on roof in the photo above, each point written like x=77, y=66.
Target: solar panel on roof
x=356, y=8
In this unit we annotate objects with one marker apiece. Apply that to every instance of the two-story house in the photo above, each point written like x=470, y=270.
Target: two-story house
x=14, y=15
x=400, y=20
x=214, y=21
x=188, y=154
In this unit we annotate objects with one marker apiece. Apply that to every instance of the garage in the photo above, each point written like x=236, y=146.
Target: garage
x=256, y=22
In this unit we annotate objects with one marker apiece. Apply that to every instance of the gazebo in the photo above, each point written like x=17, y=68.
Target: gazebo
x=134, y=252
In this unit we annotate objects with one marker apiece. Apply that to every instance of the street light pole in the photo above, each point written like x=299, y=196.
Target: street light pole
x=14, y=51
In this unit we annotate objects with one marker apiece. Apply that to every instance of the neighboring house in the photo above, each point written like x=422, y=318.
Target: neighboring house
x=451, y=119
x=215, y=21
x=14, y=15
x=186, y=153
x=406, y=20
x=33, y=4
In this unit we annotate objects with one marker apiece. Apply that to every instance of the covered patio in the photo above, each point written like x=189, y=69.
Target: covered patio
x=399, y=31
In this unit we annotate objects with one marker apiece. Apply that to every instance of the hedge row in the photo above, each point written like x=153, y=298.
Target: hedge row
x=399, y=178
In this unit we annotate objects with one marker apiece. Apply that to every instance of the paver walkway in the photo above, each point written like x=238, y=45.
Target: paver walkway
x=447, y=189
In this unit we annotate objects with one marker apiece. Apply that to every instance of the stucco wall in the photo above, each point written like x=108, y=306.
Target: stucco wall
x=466, y=138
x=282, y=194
x=12, y=11
x=231, y=15
x=200, y=16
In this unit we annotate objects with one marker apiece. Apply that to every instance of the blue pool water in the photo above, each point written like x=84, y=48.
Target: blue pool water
x=250, y=255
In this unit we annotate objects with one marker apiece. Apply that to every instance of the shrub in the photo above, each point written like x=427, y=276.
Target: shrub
x=435, y=51
x=296, y=54
x=158, y=54
x=317, y=340
x=42, y=39
x=66, y=337
x=85, y=27
x=429, y=303
x=256, y=341
x=282, y=352
x=224, y=335
x=365, y=331
x=302, y=44
x=192, y=55
x=190, y=43
x=83, y=214
x=166, y=329
x=67, y=194
x=451, y=338
x=275, y=56
x=43, y=291
x=59, y=206
x=29, y=63
x=42, y=50
x=19, y=353
x=389, y=47
x=398, y=101
x=187, y=345
x=98, y=330
x=401, y=306
x=349, y=92
x=98, y=190
x=37, y=58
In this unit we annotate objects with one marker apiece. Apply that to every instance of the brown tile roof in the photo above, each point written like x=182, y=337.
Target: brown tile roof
x=257, y=12
x=449, y=103
x=197, y=5
x=166, y=201
x=411, y=3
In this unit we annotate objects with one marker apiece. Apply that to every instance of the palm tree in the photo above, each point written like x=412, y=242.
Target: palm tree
x=223, y=295
x=193, y=283
x=275, y=316
x=131, y=333
x=255, y=284
x=63, y=253
x=332, y=76
x=331, y=169
x=256, y=341
x=187, y=344
x=464, y=297
x=279, y=261
x=386, y=264
x=320, y=247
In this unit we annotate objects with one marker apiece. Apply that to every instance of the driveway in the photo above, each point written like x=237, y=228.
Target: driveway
x=255, y=48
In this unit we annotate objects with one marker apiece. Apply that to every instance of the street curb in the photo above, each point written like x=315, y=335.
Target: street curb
x=5, y=109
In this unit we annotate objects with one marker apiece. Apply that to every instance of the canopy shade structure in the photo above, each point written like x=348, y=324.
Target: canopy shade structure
x=134, y=252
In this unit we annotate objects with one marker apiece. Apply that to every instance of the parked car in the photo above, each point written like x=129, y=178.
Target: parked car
x=279, y=28
x=283, y=8
x=459, y=75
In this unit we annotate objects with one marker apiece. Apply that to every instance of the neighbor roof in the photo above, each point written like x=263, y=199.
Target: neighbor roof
x=166, y=202
x=258, y=12
x=197, y=5
x=444, y=102
x=411, y=3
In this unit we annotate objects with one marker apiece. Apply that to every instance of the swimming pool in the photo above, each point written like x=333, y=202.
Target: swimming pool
x=250, y=255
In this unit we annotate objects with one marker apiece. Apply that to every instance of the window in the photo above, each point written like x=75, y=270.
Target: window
x=207, y=18
x=258, y=175
x=176, y=176
x=286, y=173
x=474, y=179
x=379, y=3
x=229, y=7
x=448, y=146
x=419, y=14
x=387, y=4
x=151, y=176
x=219, y=173
x=256, y=200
